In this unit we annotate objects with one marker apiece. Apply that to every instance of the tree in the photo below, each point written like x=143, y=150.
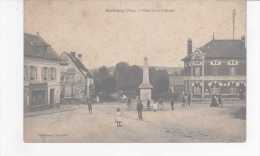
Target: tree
x=121, y=74
x=160, y=81
x=104, y=81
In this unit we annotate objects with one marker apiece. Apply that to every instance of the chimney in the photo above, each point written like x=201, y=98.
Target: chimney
x=73, y=54
x=80, y=56
x=189, y=46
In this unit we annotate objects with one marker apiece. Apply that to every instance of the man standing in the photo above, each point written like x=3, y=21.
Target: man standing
x=148, y=104
x=128, y=103
x=139, y=108
x=89, y=106
x=189, y=99
x=172, y=103
x=161, y=107
x=220, y=102
x=184, y=99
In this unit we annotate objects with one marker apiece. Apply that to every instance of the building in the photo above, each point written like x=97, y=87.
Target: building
x=176, y=81
x=218, y=67
x=41, y=73
x=77, y=81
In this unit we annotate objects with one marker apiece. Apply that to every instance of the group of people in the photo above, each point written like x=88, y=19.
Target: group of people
x=216, y=101
x=186, y=99
x=155, y=106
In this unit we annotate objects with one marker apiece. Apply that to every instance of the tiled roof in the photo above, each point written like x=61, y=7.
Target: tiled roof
x=36, y=47
x=224, y=49
x=81, y=67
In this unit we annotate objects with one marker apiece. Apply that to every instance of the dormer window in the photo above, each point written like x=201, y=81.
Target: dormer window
x=232, y=62
x=215, y=62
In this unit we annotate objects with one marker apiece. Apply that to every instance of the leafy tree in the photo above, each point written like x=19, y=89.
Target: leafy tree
x=104, y=81
x=160, y=82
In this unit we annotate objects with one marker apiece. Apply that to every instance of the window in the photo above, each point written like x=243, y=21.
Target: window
x=232, y=71
x=53, y=73
x=215, y=62
x=197, y=71
x=232, y=62
x=45, y=73
x=33, y=73
x=49, y=74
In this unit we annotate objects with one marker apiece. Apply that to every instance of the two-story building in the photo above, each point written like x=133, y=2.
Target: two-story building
x=77, y=81
x=41, y=73
x=218, y=67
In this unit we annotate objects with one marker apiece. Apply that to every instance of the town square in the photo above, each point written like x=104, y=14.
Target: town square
x=94, y=79
x=198, y=123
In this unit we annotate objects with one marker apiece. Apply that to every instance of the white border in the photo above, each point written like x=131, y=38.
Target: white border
x=11, y=82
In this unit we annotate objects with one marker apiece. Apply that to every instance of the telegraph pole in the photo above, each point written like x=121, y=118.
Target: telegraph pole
x=233, y=21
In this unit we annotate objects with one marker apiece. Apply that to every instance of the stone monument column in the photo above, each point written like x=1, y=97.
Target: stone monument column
x=145, y=87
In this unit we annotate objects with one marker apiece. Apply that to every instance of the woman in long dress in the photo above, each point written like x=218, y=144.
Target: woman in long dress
x=155, y=106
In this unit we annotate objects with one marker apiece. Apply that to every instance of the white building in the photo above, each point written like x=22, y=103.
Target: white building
x=41, y=73
x=77, y=81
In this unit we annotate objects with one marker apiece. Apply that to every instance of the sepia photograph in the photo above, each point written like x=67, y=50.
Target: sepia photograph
x=134, y=71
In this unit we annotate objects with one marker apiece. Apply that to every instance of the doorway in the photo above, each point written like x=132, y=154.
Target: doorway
x=52, y=91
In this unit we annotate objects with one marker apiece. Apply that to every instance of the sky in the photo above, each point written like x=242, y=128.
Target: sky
x=106, y=32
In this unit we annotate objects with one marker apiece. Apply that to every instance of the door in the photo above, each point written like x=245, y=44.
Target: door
x=52, y=97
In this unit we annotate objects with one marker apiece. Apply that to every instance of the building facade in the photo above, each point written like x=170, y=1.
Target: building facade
x=218, y=67
x=176, y=82
x=77, y=81
x=41, y=73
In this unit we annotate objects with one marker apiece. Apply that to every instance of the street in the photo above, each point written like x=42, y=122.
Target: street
x=198, y=123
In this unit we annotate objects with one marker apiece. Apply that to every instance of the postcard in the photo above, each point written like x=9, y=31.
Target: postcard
x=134, y=71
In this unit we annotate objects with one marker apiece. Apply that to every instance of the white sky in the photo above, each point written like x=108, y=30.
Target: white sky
x=105, y=38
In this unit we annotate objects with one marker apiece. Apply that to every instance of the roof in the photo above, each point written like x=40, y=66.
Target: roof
x=81, y=67
x=224, y=49
x=35, y=46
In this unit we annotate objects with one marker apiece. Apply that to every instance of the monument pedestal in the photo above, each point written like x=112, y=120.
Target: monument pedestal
x=145, y=88
x=145, y=92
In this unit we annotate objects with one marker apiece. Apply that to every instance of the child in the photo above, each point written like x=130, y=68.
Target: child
x=155, y=106
x=118, y=120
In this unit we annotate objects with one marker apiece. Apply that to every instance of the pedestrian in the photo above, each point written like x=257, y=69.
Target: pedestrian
x=220, y=101
x=139, y=108
x=189, y=99
x=155, y=106
x=118, y=119
x=183, y=99
x=161, y=104
x=129, y=103
x=172, y=103
x=214, y=101
x=89, y=106
x=148, y=104
x=97, y=99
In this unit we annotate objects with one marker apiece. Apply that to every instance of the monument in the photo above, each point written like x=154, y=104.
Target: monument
x=145, y=87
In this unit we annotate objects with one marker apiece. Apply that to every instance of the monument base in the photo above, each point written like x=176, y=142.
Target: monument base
x=146, y=94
